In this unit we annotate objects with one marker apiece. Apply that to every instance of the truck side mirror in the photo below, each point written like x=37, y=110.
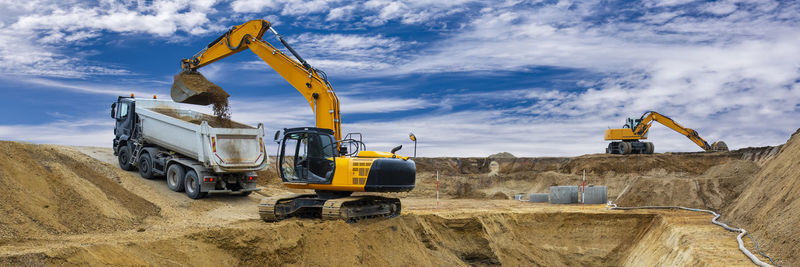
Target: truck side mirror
x=277, y=134
x=113, y=110
x=396, y=148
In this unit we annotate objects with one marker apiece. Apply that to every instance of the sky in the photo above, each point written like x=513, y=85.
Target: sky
x=468, y=78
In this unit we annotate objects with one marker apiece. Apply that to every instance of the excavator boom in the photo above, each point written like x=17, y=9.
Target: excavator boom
x=310, y=82
x=636, y=130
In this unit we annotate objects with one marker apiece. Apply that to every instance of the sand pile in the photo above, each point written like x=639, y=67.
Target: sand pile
x=213, y=121
x=50, y=192
x=588, y=238
x=714, y=189
x=769, y=207
x=670, y=174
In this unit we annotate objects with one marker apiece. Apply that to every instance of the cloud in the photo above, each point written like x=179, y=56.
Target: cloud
x=77, y=133
x=726, y=68
x=371, y=13
x=138, y=87
x=36, y=36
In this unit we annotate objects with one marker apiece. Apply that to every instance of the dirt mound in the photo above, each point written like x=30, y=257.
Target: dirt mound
x=549, y=238
x=49, y=191
x=714, y=189
x=769, y=207
x=216, y=122
x=504, y=155
x=695, y=163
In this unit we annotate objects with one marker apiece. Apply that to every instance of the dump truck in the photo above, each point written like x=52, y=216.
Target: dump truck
x=198, y=153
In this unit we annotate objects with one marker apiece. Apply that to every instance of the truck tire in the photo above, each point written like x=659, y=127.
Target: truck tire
x=124, y=158
x=192, y=185
x=175, y=175
x=145, y=164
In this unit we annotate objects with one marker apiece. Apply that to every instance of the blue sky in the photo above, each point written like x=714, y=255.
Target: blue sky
x=469, y=78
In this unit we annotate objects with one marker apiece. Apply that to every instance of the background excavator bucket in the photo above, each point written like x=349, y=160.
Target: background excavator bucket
x=719, y=146
x=192, y=88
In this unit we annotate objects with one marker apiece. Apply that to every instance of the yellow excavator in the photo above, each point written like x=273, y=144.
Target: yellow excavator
x=315, y=158
x=626, y=139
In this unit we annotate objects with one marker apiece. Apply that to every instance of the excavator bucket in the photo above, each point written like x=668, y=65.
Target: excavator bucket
x=719, y=146
x=191, y=87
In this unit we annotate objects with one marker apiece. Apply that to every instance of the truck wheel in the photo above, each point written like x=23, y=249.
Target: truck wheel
x=124, y=158
x=192, y=185
x=146, y=166
x=175, y=174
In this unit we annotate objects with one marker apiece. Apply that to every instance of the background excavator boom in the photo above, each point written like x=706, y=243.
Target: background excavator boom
x=648, y=117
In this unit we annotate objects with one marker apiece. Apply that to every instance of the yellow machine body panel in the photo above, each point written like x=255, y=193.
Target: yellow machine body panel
x=350, y=175
x=623, y=134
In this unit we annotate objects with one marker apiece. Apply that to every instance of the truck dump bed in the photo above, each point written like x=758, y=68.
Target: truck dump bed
x=221, y=145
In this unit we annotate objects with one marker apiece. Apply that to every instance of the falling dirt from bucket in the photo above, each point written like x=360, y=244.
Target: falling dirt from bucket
x=193, y=88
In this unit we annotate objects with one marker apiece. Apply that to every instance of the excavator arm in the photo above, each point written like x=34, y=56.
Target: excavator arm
x=650, y=116
x=310, y=82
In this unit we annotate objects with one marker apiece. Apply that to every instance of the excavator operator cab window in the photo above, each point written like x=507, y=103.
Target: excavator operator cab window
x=307, y=157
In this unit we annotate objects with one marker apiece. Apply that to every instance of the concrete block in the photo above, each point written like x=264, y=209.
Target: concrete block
x=564, y=194
x=539, y=197
x=596, y=195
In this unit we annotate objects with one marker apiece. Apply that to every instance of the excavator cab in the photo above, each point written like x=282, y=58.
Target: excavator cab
x=307, y=156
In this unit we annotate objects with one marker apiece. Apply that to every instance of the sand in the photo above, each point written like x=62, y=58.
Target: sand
x=50, y=191
x=769, y=206
x=213, y=121
x=207, y=92
x=106, y=216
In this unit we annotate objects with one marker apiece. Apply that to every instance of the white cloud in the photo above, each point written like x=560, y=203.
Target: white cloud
x=77, y=133
x=727, y=69
x=35, y=35
x=118, y=88
x=287, y=7
x=340, y=54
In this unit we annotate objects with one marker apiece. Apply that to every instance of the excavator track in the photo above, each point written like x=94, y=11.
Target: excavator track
x=349, y=209
x=267, y=210
x=352, y=209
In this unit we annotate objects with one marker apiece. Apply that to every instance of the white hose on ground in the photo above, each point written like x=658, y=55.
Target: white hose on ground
x=741, y=231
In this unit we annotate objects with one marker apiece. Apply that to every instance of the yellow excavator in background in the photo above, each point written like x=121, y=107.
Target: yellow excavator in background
x=315, y=158
x=636, y=129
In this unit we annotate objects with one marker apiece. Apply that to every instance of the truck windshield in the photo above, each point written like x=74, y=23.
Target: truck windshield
x=307, y=157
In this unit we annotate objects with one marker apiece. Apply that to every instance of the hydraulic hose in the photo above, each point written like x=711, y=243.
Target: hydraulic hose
x=741, y=231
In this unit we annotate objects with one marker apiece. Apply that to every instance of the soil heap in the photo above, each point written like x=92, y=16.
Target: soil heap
x=206, y=89
x=769, y=207
x=51, y=192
